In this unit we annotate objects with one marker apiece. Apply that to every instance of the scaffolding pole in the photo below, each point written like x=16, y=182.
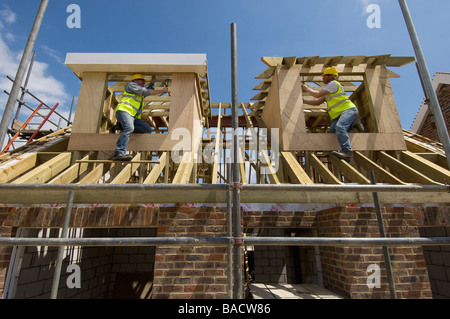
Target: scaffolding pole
x=61, y=249
x=237, y=232
x=424, y=74
x=387, y=256
x=224, y=241
x=9, y=108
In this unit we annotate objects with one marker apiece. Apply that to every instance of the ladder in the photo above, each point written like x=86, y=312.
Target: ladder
x=24, y=126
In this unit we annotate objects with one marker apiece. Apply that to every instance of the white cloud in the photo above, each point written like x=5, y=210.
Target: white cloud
x=41, y=84
x=6, y=15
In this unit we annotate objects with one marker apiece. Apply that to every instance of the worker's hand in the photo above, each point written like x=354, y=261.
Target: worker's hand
x=165, y=89
x=305, y=87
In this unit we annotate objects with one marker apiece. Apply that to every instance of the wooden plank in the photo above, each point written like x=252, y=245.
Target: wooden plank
x=185, y=110
x=324, y=172
x=125, y=174
x=184, y=171
x=71, y=173
x=138, y=142
x=46, y=171
x=399, y=60
x=217, y=148
x=267, y=73
x=266, y=167
x=272, y=61
x=426, y=167
x=436, y=158
x=295, y=168
x=58, y=195
x=93, y=176
x=128, y=63
x=408, y=174
x=358, y=141
x=348, y=170
x=381, y=100
x=17, y=166
x=90, y=103
x=381, y=175
x=156, y=170
x=242, y=167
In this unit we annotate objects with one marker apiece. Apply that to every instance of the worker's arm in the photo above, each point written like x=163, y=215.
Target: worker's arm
x=314, y=102
x=140, y=90
x=151, y=87
x=315, y=93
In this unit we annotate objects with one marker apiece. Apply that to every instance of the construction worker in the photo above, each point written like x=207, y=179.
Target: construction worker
x=342, y=111
x=129, y=113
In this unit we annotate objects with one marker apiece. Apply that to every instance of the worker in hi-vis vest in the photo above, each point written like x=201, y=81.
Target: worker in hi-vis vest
x=129, y=113
x=342, y=111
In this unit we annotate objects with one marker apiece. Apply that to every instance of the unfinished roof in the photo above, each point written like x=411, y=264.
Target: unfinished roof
x=46, y=175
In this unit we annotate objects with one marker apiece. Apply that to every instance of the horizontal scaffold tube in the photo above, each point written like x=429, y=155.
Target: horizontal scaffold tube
x=222, y=241
x=227, y=187
x=217, y=193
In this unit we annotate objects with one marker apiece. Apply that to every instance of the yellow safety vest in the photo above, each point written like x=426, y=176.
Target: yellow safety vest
x=131, y=103
x=338, y=102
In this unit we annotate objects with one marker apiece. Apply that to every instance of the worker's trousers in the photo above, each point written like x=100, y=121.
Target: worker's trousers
x=130, y=124
x=342, y=125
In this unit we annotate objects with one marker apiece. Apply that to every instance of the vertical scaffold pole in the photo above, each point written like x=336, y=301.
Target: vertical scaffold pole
x=9, y=108
x=60, y=256
x=387, y=256
x=237, y=232
x=427, y=84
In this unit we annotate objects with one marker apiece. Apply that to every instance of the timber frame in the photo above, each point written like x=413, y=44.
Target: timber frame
x=78, y=158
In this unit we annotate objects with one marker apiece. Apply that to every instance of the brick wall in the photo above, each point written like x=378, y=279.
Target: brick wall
x=429, y=127
x=191, y=272
x=6, y=230
x=345, y=269
x=200, y=272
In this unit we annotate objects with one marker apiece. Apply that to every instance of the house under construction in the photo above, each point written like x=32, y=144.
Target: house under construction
x=164, y=224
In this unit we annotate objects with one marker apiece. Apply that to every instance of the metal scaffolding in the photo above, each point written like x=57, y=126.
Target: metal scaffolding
x=234, y=241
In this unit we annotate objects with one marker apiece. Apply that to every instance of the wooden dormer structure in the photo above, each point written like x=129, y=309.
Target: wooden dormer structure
x=103, y=79
x=367, y=79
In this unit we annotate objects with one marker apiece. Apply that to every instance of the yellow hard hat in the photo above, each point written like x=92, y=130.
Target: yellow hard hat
x=330, y=70
x=137, y=76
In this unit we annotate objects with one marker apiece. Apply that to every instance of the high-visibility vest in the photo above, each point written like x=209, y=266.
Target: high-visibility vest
x=338, y=102
x=131, y=103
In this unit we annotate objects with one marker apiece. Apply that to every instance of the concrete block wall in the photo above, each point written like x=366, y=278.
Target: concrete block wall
x=438, y=262
x=38, y=265
x=270, y=261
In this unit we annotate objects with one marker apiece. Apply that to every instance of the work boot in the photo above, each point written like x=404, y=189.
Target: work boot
x=122, y=157
x=357, y=124
x=346, y=156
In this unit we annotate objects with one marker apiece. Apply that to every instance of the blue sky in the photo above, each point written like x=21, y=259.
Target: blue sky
x=264, y=28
